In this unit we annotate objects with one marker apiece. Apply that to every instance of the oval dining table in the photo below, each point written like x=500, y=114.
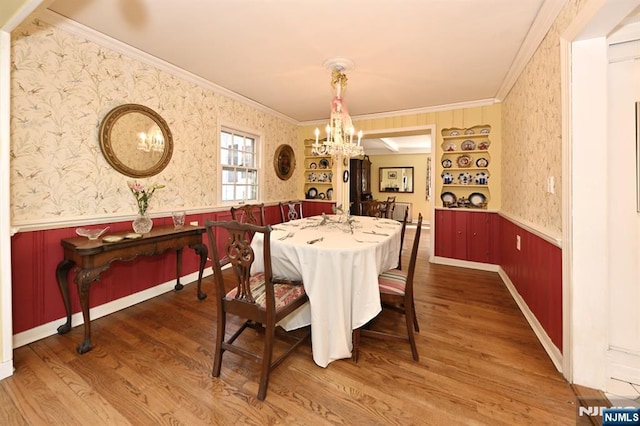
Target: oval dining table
x=339, y=263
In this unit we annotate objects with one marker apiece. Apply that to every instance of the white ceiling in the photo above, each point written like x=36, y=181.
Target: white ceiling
x=407, y=54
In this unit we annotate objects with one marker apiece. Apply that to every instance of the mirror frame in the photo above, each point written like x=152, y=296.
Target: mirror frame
x=106, y=126
x=281, y=153
x=389, y=169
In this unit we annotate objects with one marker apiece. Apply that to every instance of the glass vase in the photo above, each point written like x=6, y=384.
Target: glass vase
x=142, y=224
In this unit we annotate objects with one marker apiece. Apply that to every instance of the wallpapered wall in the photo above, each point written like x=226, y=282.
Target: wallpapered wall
x=532, y=134
x=63, y=85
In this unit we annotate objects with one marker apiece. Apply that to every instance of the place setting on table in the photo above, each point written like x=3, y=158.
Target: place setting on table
x=338, y=258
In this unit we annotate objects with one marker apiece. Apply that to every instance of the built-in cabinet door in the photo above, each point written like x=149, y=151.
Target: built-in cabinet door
x=460, y=220
x=466, y=235
x=479, y=237
x=444, y=231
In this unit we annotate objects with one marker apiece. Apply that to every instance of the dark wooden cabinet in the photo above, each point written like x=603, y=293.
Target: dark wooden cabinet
x=466, y=235
x=360, y=182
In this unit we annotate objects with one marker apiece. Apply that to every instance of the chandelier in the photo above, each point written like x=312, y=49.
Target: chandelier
x=151, y=141
x=339, y=142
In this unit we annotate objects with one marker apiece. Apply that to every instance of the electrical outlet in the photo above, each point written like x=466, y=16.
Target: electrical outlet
x=518, y=242
x=551, y=185
x=194, y=223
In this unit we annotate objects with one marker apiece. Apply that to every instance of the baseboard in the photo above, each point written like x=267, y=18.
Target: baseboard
x=551, y=349
x=623, y=372
x=464, y=263
x=6, y=369
x=51, y=328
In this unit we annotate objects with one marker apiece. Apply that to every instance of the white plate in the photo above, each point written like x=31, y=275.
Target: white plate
x=482, y=162
x=468, y=145
x=113, y=238
x=448, y=197
x=477, y=199
x=450, y=147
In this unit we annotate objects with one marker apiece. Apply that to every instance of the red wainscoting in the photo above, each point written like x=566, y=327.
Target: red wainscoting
x=536, y=272
x=35, y=255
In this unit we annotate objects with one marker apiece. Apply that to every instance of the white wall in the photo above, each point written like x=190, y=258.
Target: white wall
x=623, y=356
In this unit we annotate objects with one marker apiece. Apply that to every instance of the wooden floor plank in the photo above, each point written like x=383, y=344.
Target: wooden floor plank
x=480, y=364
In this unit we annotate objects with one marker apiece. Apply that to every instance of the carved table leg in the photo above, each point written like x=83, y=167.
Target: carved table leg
x=202, y=250
x=178, y=286
x=84, y=278
x=62, y=272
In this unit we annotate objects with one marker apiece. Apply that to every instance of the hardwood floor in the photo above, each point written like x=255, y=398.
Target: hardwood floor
x=480, y=364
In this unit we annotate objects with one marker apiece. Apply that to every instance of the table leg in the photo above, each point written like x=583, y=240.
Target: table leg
x=178, y=286
x=202, y=250
x=62, y=272
x=84, y=278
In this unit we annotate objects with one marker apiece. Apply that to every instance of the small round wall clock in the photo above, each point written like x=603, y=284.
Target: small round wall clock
x=345, y=176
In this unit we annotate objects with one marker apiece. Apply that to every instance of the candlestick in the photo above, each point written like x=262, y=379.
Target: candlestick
x=359, y=137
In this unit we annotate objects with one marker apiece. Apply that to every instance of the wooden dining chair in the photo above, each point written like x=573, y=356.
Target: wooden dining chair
x=373, y=208
x=396, y=290
x=260, y=299
x=405, y=220
x=290, y=210
x=390, y=207
x=249, y=213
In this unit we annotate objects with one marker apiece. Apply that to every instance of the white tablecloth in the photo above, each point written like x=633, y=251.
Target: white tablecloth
x=340, y=275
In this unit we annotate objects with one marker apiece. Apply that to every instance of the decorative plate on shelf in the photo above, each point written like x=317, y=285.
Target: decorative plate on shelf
x=469, y=132
x=324, y=163
x=454, y=133
x=312, y=177
x=330, y=176
x=322, y=196
x=112, y=238
x=329, y=193
x=312, y=192
x=481, y=178
x=448, y=198
x=447, y=178
x=482, y=162
x=484, y=145
x=477, y=199
x=468, y=145
x=345, y=176
x=451, y=146
x=446, y=163
x=465, y=178
x=313, y=165
x=464, y=160
x=485, y=131
x=323, y=177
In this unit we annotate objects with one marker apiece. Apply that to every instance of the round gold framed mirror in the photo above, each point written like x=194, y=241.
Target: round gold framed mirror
x=284, y=161
x=135, y=140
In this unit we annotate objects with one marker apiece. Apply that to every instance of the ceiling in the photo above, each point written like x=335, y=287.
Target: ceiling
x=406, y=54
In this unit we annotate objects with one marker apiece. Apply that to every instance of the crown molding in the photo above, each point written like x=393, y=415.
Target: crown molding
x=544, y=20
x=413, y=111
x=101, y=39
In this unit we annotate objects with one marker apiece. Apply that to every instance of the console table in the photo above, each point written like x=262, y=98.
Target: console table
x=92, y=257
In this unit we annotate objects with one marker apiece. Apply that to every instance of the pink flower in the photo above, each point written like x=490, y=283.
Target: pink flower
x=143, y=195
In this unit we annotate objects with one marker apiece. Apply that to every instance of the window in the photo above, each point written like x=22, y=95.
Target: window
x=239, y=165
